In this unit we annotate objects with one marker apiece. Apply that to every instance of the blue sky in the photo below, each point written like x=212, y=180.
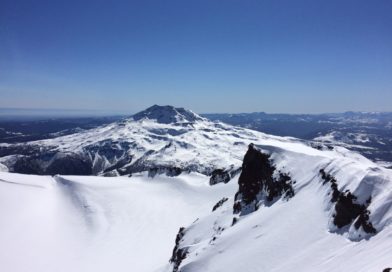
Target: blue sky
x=210, y=56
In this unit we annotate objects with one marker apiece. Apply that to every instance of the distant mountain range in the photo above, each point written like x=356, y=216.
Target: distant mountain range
x=369, y=133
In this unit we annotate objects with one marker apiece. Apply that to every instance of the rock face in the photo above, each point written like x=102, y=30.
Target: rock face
x=346, y=207
x=169, y=171
x=219, y=203
x=179, y=253
x=260, y=181
x=223, y=175
x=218, y=176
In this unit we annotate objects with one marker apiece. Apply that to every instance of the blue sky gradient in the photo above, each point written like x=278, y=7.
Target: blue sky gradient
x=210, y=56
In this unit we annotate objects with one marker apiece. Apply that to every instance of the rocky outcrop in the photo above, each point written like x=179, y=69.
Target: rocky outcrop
x=218, y=176
x=260, y=180
x=219, y=203
x=222, y=175
x=346, y=207
x=179, y=254
x=170, y=171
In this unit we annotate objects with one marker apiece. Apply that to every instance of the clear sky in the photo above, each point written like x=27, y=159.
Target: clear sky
x=209, y=56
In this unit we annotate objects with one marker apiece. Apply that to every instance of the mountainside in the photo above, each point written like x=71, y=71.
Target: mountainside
x=295, y=210
x=97, y=224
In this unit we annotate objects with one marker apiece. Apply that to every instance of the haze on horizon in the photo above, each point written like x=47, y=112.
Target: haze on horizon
x=207, y=56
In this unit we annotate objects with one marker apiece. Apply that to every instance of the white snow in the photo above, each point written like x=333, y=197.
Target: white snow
x=298, y=234
x=288, y=236
x=3, y=168
x=350, y=139
x=71, y=223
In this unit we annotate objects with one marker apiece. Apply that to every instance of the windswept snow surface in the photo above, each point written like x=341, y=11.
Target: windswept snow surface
x=298, y=233
x=288, y=236
x=71, y=223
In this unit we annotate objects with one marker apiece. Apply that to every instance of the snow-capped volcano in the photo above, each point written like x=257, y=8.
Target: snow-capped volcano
x=160, y=139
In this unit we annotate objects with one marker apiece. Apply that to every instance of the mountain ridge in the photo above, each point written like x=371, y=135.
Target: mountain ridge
x=293, y=212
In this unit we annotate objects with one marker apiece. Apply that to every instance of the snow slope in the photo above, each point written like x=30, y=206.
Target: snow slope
x=70, y=223
x=295, y=232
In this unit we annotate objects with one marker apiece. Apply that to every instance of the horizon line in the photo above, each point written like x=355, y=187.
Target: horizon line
x=107, y=112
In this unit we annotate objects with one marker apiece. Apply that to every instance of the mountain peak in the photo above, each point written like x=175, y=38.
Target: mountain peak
x=168, y=114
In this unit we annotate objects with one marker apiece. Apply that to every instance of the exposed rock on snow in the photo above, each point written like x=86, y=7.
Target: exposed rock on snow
x=219, y=203
x=219, y=175
x=179, y=254
x=302, y=209
x=259, y=181
x=346, y=208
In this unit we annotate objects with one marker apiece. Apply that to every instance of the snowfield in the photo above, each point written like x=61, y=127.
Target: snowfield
x=97, y=224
